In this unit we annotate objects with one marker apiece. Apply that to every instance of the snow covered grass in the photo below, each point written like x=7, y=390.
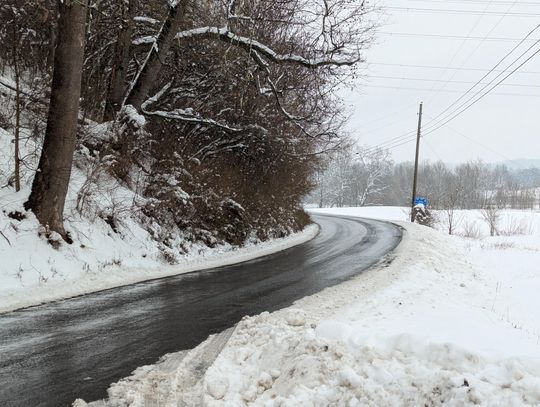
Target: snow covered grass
x=451, y=321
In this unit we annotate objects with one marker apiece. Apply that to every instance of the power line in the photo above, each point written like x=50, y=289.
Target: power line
x=449, y=119
x=493, y=68
x=396, y=141
x=450, y=37
x=406, y=138
x=469, y=34
x=480, y=44
x=402, y=139
x=461, y=11
x=446, y=90
x=494, y=3
x=458, y=82
x=492, y=80
x=445, y=67
x=391, y=147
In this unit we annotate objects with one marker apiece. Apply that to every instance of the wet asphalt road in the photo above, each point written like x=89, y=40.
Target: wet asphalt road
x=54, y=353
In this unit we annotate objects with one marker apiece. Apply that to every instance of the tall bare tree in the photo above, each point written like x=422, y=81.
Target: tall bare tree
x=51, y=182
x=122, y=56
x=149, y=71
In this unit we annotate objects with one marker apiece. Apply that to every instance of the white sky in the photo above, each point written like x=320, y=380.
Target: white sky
x=502, y=127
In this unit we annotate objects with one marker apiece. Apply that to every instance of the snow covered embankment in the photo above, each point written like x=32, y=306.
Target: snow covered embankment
x=19, y=289
x=420, y=332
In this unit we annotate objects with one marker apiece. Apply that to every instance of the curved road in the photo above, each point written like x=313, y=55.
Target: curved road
x=54, y=353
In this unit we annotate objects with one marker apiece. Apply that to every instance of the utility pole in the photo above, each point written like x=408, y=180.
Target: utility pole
x=418, y=135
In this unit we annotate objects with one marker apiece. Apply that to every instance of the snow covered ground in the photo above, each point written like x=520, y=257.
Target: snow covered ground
x=32, y=272
x=451, y=321
x=467, y=223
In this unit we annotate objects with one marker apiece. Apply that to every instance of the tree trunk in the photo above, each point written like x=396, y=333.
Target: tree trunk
x=17, y=73
x=51, y=181
x=17, y=126
x=149, y=72
x=52, y=46
x=120, y=65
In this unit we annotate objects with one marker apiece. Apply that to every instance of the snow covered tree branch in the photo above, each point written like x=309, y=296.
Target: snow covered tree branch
x=186, y=115
x=251, y=45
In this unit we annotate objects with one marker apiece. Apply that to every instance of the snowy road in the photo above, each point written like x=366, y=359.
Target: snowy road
x=51, y=354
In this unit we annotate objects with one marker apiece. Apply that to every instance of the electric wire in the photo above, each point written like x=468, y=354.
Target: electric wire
x=479, y=45
x=402, y=139
x=461, y=11
x=405, y=78
x=444, y=67
x=449, y=37
x=449, y=119
x=493, y=68
x=486, y=85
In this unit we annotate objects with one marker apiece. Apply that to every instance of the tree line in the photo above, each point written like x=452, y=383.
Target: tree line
x=361, y=176
x=216, y=112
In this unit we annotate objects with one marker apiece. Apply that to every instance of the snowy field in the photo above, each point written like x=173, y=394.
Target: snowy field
x=467, y=223
x=451, y=321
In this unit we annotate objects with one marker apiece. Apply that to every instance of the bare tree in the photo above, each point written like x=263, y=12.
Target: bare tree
x=491, y=214
x=450, y=205
x=51, y=182
x=327, y=35
x=18, y=51
x=121, y=59
x=231, y=86
x=338, y=179
x=370, y=170
x=147, y=74
x=18, y=107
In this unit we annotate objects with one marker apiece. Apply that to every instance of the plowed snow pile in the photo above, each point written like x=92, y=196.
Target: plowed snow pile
x=270, y=362
x=425, y=331
x=450, y=321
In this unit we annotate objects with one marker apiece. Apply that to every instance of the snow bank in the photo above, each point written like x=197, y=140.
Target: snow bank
x=424, y=331
x=271, y=362
x=450, y=321
x=34, y=273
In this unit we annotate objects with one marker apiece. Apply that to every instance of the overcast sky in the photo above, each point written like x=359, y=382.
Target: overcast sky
x=504, y=125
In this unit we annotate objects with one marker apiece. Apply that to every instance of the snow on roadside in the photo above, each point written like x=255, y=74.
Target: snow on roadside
x=23, y=289
x=420, y=332
x=450, y=321
x=270, y=362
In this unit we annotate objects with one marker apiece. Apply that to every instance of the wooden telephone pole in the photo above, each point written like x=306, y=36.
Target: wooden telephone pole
x=418, y=135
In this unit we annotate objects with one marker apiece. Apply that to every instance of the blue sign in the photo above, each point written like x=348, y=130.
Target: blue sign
x=421, y=201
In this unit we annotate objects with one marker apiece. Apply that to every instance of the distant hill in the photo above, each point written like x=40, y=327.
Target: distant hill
x=522, y=164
